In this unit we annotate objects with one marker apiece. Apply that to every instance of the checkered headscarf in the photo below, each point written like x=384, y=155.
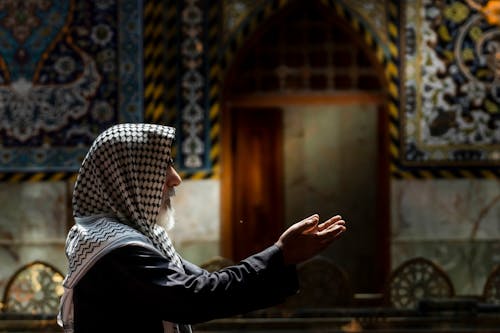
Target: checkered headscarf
x=123, y=176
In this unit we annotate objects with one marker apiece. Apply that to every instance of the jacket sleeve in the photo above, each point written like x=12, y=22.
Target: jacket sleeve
x=191, y=295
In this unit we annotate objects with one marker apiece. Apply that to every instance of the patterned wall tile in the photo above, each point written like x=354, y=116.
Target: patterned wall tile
x=68, y=70
x=451, y=86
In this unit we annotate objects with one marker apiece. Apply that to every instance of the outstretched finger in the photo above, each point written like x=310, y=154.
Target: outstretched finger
x=329, y=222
x=333, y=230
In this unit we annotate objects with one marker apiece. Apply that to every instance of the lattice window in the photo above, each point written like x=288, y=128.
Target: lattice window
x=34, y=289
x=304, y=51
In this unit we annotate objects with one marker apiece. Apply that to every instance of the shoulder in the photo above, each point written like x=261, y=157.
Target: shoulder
x=136, y=250
x=123, y=264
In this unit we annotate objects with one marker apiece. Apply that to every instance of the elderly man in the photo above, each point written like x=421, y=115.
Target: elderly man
x=124, y=274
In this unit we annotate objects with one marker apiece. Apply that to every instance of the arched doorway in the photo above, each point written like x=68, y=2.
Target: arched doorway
x=304, y=131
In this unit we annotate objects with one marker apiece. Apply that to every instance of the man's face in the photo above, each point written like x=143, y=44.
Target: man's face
x=166, y=215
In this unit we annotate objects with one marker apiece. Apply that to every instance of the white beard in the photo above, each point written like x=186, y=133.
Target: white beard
x=166, y=217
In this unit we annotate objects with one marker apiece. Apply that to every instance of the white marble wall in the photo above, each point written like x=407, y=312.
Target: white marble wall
x=455, y=223
x=33, y=226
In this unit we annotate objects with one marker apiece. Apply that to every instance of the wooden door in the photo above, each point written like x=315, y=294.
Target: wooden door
x=257, y=214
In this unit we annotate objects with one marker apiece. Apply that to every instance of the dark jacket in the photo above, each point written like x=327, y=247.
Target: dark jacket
x=132, y=289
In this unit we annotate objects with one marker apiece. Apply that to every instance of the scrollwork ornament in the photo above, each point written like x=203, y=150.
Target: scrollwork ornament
x=484, y=40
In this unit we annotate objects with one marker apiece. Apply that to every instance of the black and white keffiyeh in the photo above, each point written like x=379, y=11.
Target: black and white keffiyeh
x=116, y=201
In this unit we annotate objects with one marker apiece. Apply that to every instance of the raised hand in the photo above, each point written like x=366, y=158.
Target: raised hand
x=307, y=238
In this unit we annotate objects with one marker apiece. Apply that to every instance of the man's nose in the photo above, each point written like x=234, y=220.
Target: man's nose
x=173, y=178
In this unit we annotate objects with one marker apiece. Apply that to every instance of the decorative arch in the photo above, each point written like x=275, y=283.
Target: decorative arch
x=386, y=54
x=269, y=8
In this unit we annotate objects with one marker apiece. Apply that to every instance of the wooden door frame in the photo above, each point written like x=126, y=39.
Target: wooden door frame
x=226, y=183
